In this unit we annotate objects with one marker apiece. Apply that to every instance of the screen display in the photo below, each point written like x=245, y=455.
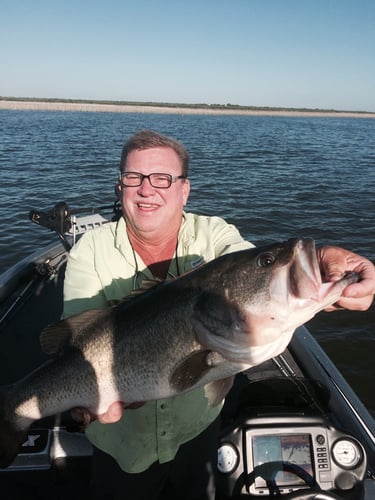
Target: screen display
x=291, y=448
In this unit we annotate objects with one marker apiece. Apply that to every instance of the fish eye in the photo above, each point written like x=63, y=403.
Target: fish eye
x=265, y=259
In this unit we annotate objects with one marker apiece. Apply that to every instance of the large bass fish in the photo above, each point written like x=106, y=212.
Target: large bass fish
x=200, y=329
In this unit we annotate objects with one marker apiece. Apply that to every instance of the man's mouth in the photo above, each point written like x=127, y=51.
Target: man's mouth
x=147, y=206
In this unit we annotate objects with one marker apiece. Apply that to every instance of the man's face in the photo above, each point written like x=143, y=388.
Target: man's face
x=150, y=211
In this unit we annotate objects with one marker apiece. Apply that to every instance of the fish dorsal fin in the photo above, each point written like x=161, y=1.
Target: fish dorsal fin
x=217, y=390
x=146, y=285
x=55, y=336
x=58, y=334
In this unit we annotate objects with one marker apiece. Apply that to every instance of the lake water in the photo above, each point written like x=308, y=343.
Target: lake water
x=274, y=177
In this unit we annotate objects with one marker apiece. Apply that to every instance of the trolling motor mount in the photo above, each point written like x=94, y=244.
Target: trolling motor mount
x=57, y=219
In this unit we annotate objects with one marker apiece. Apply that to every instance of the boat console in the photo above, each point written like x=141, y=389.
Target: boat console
x=267, y=455
x=278, y=440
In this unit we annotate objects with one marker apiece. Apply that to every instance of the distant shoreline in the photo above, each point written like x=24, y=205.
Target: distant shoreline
x=35, y=105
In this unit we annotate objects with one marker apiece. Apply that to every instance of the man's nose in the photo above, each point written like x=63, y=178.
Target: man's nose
x=145, y=188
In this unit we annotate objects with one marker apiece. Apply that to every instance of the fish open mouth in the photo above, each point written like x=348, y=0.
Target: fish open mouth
x=305, y=277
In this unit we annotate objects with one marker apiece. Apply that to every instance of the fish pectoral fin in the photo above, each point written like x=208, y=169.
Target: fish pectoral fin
x=217, y=390
x=214, y=359
x=190, y=370
x=55, y=336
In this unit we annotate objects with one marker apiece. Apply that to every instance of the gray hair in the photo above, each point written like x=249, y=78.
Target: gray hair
x=148, y=139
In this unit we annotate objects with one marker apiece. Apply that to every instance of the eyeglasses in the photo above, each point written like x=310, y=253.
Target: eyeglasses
x=161, y=181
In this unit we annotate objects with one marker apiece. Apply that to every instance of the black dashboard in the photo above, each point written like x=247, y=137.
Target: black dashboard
x=279, y=455
x=279, y=438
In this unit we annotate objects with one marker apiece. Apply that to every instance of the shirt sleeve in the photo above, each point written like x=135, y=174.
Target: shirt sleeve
x=82, y=287
x=226, y=238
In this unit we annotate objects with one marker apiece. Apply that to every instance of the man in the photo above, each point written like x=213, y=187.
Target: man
x=164, y=449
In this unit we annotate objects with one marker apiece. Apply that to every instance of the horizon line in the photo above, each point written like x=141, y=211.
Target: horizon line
x=128, y=106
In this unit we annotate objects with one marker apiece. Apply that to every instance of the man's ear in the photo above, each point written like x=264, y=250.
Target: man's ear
x=186, y=190
x=118, y=189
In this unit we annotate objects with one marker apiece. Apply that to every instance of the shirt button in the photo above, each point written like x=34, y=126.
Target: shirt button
x=163, y=433
x=163, y=406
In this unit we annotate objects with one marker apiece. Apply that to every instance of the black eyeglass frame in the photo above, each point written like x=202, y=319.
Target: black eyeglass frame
x=141, y=177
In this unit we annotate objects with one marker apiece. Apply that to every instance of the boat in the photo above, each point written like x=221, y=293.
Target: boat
x=291, y=427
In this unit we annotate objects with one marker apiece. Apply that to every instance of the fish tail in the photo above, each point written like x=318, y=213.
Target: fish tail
x=11, y=437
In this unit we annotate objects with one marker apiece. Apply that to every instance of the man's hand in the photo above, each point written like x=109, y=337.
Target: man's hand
x=334, y=262
x=112, y=415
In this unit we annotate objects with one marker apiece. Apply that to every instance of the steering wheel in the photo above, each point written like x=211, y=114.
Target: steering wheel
x=268, y=471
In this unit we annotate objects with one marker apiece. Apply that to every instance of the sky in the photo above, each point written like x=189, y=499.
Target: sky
x=274, y=53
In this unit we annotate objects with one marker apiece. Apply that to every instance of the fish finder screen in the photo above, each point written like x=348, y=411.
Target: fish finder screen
x=291, y=448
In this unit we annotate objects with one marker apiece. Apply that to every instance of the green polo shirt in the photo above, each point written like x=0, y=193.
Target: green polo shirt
x=102, y=269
